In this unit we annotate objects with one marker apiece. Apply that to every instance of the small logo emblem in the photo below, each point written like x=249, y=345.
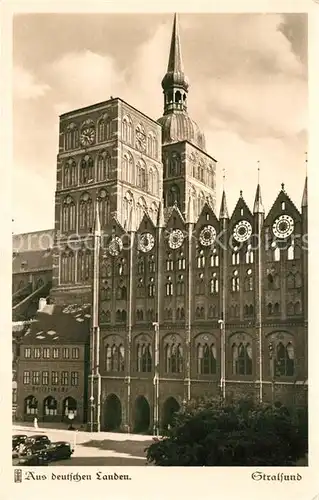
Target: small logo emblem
x=18, y=475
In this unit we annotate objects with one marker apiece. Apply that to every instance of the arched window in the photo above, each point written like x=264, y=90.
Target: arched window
x=84, y=265
x=50, y=406
x=67, y=267
x=214, y=260
x=141, y=175
x=200, y=285
x=235, y=284
x=277, y=308
x=141, y=209
x=276, y=254
x=200, y=259
x=235, y=258
x=86, y=212
x=249, y=256
x=212, y=311
x=66, y=175
x=269, y=309
x=169, y=288
x=143, y=355
x=103, y=166
x=127, y=168
x=242, y=359
x=214, y=285
x=206, y=358
x=128, y=203
x=181, y=263
x=291, y=251
x=210, y=176
x=284, y=360
x=31, y=405
x=173, y=196
x=106, y=293
x=68, y=215
x=71, y=137
x=173, y=355
x=86, y=170
x=114, y=359
x=104, y=207
x=174, y=168
x=69, y=406
x=180, y=286
x=104, y=129
x=297, y=308
x=200, y=202
x=151, y=180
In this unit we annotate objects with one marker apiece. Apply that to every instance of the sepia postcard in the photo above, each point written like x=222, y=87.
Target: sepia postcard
x=159, y=250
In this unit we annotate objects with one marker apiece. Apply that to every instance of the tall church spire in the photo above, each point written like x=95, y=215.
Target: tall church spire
x=174, y=83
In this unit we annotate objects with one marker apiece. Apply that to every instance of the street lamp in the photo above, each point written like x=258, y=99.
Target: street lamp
x=156, y=380
x=92, y=412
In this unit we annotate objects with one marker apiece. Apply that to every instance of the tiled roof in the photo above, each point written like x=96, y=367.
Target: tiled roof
x=29, y=242
x=37, y=260
x=60, y=325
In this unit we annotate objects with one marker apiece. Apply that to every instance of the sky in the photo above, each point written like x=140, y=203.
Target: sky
x=248, y=94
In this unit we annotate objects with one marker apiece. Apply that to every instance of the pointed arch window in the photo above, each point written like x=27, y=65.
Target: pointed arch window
x=86, y=212
x=206, y=358
x=104, y=129
x=86, y=170
x=235, y=258
x=84, y=265
x=180, y=285
x=214, y=284
x=214, y=259
x=114, y=357
x=173, y=357
x=276, y=254
x=143, y=356
x=68, y=215
x=173, y=196
x=127, y=168
x=242, y=358
x=104, y=207
x=128, y=204
x=71, y=137
x=151, y=288
x=151, y=264
x=181, y=263
x=249, y=255
x=140, y=265
x=169, y=289
x=291, y=251
x=141, y=175
x=67, y=267
x=200, y=259
x=235, y=284
x=285, y=359
x=50, y=406
x=174, y=168
x=212, y=311
x=103, y=166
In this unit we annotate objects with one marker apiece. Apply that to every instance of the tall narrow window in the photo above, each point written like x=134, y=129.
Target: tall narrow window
x=68, y=215
x=86, y=213
x=104, y=207
x=67, y=267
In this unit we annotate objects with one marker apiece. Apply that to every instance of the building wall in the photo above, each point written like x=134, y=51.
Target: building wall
x=60, y=392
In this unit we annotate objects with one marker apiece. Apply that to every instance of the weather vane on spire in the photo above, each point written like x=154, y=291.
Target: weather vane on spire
x=258, y=171
x=224, y=177
x=306, y=162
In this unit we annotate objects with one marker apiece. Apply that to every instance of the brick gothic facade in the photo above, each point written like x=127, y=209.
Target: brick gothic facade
x=189, y=303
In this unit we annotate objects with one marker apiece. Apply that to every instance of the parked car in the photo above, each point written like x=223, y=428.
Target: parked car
x=40, y=458
x=59, y=450
x=35, y=443
x=18, y=439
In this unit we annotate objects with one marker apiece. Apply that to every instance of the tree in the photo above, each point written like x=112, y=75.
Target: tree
x=240, y=433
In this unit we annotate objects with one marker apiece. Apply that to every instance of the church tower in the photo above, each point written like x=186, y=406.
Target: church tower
x=188, y=170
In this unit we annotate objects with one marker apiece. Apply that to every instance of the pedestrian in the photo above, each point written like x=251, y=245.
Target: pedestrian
x=35, y=422
x=21, y=448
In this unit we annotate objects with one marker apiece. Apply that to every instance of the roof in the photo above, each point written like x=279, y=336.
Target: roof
x=35, y=260
x=60, y=325
x=168, y=211
x=37, y=240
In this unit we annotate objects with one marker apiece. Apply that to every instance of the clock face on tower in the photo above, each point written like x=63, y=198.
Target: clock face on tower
x=115, y=246
x=175, y=239
x=207, y=236
x=283, y=226
x=140, y=141
x=146, y=242
x=242, y=231
x=87, y=136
